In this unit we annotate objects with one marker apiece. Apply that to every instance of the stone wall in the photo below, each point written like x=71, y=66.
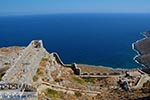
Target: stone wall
x=73, y=66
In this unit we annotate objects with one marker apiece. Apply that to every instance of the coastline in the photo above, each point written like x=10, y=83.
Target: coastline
x=138, y=52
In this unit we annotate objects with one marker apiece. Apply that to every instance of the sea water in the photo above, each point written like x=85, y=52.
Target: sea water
x=95, y=39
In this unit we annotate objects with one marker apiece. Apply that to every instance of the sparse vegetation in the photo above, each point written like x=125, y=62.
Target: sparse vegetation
x=58, y=79
x=78, y=80
x=6, y=63
x=78, y=94
x=1, y=75
x=75, y=86
x=35, y=78
x=52, y=93
x=39, y=72
x=44, y=59
x=90, y=80
x=146, y=87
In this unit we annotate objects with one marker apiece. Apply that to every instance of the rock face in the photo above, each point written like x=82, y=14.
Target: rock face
x=26, y=65
x=143, y=47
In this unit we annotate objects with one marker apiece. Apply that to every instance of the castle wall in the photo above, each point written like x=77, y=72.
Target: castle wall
x=74, y=66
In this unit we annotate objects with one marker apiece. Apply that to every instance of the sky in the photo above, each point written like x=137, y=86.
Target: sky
x=21, y=7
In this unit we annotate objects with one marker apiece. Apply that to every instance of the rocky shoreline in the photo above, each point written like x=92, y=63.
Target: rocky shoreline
x=142, y=48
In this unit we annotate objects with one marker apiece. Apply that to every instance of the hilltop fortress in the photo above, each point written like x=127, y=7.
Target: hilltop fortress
x=28, y=61
x=32, y=70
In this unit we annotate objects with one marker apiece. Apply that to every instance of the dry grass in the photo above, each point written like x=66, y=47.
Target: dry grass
x=94, y=69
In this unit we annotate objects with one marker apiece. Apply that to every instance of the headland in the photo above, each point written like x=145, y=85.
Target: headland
x=143, y=49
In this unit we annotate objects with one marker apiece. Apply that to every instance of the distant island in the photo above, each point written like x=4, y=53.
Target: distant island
x=143, y=48
x=32, y=73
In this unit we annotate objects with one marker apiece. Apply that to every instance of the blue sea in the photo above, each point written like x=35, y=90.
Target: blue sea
x=94, y=39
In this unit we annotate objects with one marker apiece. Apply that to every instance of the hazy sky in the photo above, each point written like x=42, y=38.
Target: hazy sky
x=19, y=7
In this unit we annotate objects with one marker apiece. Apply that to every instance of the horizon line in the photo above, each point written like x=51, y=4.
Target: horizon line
x=62, y=13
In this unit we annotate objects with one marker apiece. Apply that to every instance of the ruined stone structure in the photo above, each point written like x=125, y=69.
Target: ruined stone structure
x=26, y=65
x=28, y=62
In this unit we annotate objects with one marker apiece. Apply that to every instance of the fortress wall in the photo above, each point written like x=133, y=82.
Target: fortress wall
x=74, y=66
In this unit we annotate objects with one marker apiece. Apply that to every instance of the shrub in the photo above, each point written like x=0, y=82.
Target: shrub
x=35, y=78
x=90, y=80
x=39, y=72
x=58, y=79
x=78, y=80
x=78, y=94
x=52, y=93
x=6, y=63
x=146, y=87
x=1, y=75
x=44, y=59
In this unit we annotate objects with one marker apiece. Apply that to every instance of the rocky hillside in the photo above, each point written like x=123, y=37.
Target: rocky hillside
x=36, y=67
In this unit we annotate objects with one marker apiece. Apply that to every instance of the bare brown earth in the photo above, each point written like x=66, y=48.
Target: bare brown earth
x=99, y=69
x=94, y=69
